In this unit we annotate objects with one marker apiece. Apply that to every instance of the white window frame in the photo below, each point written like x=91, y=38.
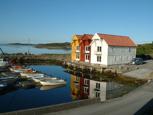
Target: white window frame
x=98, y=58
x=87, y=48
x=87, y=57
x=97, y=94
x=99, y=48
x=97, y=85
x=78, y=48
x=77, y=55
x=86, y=89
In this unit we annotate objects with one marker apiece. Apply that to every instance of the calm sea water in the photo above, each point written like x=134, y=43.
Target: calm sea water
x=33, y=50
x=75, y=88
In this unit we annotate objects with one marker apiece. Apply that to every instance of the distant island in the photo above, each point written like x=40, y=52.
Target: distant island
x=65, y=45
x=25, y=44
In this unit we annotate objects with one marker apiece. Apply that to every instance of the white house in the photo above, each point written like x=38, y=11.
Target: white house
x=98, y=90
x=112, y=49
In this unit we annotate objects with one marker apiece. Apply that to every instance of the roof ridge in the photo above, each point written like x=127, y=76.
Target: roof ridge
x=113, y=35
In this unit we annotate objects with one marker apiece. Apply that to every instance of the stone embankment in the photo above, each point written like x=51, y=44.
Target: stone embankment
x=38, y=59
x=143, y=72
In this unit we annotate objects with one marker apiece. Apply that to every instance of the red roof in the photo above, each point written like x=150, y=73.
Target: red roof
x=87, y=36
x=115, y=40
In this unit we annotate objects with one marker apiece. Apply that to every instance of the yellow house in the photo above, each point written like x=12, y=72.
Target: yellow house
x=75, y=54
x=75, y=87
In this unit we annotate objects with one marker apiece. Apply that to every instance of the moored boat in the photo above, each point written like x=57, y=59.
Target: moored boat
x=3, y=63
x=49, y=81
x=19, y=69
x=32, y=75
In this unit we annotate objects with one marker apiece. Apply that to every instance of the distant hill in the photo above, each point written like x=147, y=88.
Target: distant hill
x=26, y=44
x=65, y=45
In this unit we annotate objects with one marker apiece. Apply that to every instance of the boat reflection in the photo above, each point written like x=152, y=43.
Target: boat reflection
x=84, y=88
x=50, y=87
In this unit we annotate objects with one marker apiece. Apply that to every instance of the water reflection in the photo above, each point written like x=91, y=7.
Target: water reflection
x=50, y=87
x=83, y=88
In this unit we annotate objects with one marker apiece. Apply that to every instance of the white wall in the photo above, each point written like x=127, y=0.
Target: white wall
x=110, y=54
x=97, y=41
x=92, y=92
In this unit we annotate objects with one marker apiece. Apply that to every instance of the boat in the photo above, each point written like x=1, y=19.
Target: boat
x=3, y=63
x=19, y=69
x=49, y=81
x=45, y=77
x=32, y=75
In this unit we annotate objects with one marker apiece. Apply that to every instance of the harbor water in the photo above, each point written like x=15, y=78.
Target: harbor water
x=76, y=88
x=25, y=48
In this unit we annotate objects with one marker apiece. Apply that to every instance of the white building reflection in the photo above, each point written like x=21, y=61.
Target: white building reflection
x=83, y=88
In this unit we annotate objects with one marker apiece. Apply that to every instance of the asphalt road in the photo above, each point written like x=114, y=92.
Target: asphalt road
x=137, y=102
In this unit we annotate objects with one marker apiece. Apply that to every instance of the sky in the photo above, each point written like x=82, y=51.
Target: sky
x=43, y=21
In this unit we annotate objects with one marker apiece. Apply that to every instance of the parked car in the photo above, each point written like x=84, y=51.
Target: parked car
x=137, y=61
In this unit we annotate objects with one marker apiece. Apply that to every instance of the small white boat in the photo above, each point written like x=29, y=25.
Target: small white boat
x=3, y=63
x=46, y=77
x=32, y=75
x=48, y=81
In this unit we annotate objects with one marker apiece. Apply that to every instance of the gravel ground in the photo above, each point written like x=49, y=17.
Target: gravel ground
x=144, y=71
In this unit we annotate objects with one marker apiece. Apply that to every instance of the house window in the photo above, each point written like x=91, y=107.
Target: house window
x=129, y=49
x=87, y=56
x=97, y=85
x=86, y=81
x=87, y=48
x=77, y=56
x=98, y=48
x=98, y=58
x=78, y=48
x=97, y=94
x=86, y=90
x=77, y=78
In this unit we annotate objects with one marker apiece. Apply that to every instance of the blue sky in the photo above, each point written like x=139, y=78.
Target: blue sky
x=44, y=21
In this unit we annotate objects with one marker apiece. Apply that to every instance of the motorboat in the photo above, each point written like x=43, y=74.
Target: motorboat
x=32, y=75
x=45, y=77
x=49, y=81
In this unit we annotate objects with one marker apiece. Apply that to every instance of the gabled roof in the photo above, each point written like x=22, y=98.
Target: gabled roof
x=87, y=36
x=76, y=37
x=116, y=40
x=79, y=36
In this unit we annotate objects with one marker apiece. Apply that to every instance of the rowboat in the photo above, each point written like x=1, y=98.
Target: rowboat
x=19, y=69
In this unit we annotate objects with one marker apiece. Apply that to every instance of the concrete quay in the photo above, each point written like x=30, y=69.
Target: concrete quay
x=137, y=102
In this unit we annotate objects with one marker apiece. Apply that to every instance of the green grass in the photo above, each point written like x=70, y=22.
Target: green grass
x=145, y=49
